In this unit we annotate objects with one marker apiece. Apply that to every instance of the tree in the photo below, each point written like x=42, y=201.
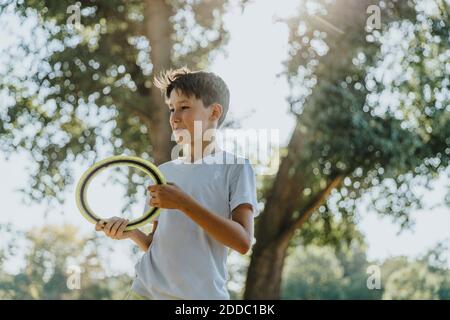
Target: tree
x=88, y=86
x=328, y=272
x=313, y=273
x=350, y=139
x=55, y=254
x=354, y=261
x=426, y=278
x=7, y=250
x=412, y=283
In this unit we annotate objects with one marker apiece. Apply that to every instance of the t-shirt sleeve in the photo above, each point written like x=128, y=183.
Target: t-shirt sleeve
x=243, y=187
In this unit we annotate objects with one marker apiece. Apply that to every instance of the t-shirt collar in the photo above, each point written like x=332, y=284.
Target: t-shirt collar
x=184, y=160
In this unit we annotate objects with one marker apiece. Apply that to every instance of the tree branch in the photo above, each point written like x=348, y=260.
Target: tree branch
x=314, y=204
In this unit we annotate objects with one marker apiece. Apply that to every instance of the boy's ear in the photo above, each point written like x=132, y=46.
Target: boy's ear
x=217, y=111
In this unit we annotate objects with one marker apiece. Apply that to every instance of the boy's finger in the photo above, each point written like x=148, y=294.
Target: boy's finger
x=116, y=226
x=154, y=195
x=100, y=225
x=171, y=184
x=109, y=225
x=122, y=228
x=154, y=203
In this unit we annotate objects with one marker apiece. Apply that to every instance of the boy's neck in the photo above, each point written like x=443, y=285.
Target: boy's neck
x=195, y=151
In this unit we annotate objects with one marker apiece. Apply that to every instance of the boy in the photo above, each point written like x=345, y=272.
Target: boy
x=208, y=207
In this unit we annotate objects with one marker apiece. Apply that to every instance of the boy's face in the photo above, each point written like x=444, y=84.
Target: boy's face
x=184, y=111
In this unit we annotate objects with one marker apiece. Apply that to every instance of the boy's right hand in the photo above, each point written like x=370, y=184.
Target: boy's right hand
x=114, y=228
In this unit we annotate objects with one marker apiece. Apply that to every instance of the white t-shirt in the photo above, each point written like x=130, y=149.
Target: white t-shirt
x=183, y=261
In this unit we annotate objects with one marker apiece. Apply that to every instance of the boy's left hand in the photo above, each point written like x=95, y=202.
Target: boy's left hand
x=167, y=196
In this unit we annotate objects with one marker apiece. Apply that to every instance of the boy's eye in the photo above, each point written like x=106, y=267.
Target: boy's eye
x=182, y=108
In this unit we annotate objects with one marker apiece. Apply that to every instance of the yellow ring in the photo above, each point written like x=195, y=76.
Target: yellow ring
x=149, y=168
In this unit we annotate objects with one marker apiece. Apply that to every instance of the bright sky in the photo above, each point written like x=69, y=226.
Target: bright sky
x=255, y=52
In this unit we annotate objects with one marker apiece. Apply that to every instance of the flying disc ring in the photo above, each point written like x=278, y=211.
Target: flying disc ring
x=147, y=167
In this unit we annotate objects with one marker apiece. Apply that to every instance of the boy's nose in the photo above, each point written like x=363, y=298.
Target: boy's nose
x=174, y=118
x=174, y=121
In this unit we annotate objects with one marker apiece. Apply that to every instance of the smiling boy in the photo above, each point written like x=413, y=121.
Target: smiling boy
x=208, y=205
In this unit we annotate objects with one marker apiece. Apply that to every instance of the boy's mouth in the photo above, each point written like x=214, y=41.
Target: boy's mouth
x=178, y=131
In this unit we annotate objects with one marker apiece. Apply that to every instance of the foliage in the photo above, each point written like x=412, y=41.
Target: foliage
x=314, y=272
x=75, y=91
x=52, y=258
x=368, y=104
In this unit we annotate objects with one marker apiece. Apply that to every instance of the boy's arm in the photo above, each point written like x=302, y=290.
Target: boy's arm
x=114, y=229
x=236, y=233
x=141, y=239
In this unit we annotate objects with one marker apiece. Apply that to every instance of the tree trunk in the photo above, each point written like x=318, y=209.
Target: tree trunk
x=266, y=265
x=277, y=224
x=281, y=202
x=265, y=271
x=158, y=30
